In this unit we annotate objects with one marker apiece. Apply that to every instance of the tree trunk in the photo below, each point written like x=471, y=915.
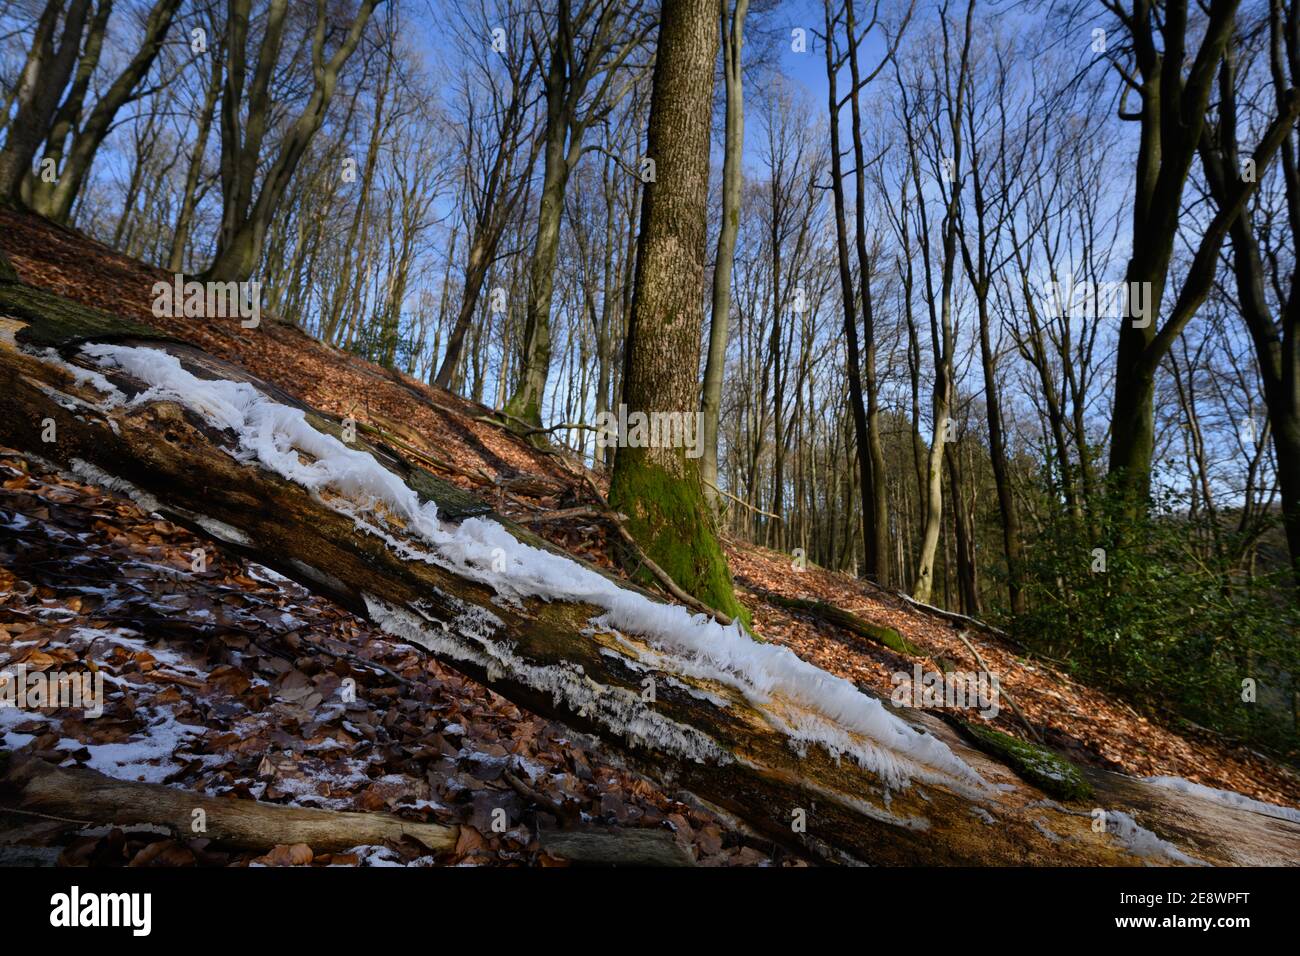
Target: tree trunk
x=1173, y=117
x=526, y=403
x=90, y=796
x=875, y=502
x=40, y=87
x=1276, y=342
x=732, y=29
x=189, y=194
x=853, y=368
x=55, y=199
x=68, y=118
x=244, y=218
x=659, y=487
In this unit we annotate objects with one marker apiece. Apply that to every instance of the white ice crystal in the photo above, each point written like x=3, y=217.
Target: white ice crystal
x=1142, y=842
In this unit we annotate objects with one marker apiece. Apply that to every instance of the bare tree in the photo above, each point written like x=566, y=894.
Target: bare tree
x=247, y=205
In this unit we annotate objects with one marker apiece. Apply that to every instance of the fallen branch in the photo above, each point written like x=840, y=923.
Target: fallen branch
x=956, y=618
x=838, y=617
x=1002, y=691
x=90, y=797
x=615, y=847
x=564, y=514
x=740, y=501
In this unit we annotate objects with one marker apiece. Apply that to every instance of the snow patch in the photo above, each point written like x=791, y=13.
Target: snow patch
x=94, y=475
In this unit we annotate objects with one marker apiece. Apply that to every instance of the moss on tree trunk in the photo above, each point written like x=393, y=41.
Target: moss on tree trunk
x=670, y=518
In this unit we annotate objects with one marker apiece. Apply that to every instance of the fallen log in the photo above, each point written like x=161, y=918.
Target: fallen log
x=838, y=617
x=792, y=752
x=615, y=847
x=87, y=796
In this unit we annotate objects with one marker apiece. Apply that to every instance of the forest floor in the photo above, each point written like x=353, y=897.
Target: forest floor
x=228, y=675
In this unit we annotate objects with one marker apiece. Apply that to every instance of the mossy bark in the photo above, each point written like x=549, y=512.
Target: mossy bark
x=1045, y=769
x=59, y=323
x=671, y=520
x=877, y=633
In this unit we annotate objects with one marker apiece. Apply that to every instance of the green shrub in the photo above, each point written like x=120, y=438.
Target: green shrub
x=1173, y=623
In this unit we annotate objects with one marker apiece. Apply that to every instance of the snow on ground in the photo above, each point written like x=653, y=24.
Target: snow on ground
x=828, y=710
x=147, y=756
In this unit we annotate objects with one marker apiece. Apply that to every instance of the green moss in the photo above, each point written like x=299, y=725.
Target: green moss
x=890, y=638
x=56, y=322
x=7, y=273
x=671, y=521
x=1046, y=770
x=878, y=633
x=525, y=409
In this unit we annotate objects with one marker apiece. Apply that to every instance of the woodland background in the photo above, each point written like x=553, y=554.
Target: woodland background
x=453, y=190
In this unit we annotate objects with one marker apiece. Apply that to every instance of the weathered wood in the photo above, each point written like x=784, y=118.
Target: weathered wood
x=700, y=735
x=90, y=797
x=615, y=847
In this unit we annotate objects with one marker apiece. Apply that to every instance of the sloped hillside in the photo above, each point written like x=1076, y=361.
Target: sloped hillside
x=242, y=715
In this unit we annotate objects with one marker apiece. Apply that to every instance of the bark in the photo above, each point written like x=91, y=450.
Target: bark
x=616, y=847
x=247, y=211
x=964, y=540
x=56, y=199
x=979, y=272
x=189, y=194
x=659, y=487
x=491, y=204
x=43, y=80
x=349, y=277
x=941, y=324
x=611, y=33
x=572, y=69
x=526, y=403
x=1172, y=117
x=1276, y=339
x=875, y=501
x=853, y=370
x=69, y=115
